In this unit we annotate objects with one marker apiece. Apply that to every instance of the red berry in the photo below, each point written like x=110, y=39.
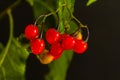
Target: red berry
x=80, y=46
x=52, y=36
x=63, y=36
x=37, y=46
x=68, y=43
x=56, y=57
x=56, y=50
x=31, y=31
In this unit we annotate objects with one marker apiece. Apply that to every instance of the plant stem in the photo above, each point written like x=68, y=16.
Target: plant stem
x=4, y=53
x=47, y=15
x=81, y=25
x=9, y=7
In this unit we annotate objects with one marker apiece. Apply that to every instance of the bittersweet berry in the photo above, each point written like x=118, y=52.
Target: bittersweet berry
x=56, y=57
x=56, y=50
x=80, y=46
x=37, y=46
x=79, y=36
x=52, y=36
x=63, y=36
x=31, y=31
x=68, y=43
x=46, y=58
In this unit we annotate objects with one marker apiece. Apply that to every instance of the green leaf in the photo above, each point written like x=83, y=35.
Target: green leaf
x=13, y=65
x=58, y=68
x=31, y=2
x=65, y=13
x=44, y=6
x=90, y=2
x=73, y=27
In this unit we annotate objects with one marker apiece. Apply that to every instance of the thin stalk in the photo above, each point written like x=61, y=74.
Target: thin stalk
x=9, y=8
x=43, y=25
x=88, y=33
x=4, y=53
x=38, y=19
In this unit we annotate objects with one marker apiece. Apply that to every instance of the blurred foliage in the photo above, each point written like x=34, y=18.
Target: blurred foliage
x=13, y=66
x=90, y=2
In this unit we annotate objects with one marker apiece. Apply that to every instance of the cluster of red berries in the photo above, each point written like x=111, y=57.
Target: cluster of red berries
x=32, y=33
x=59, y=42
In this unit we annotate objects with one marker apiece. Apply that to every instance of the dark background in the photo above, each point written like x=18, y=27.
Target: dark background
x=102, y=59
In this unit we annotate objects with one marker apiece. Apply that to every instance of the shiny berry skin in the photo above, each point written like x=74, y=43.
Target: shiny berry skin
x=37, y=46
x=80, y=46
x=56, y=57
x=63, y=36
x=68, y=43
x=52, y=36
x=31, y=31
x=56, y=50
